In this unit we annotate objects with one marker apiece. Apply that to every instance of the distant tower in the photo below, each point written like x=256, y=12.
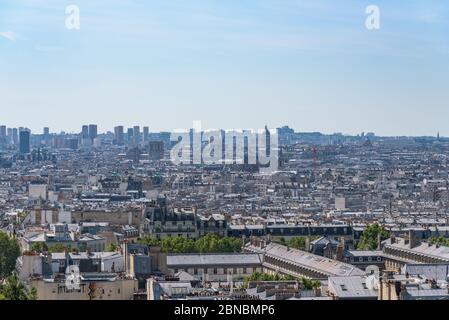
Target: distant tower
x=119, y=135
x=15, y=136
x=85, y=132
x=438, y=136
x=46, y=134
x=24, y=140
x=136, y=131
x=129, y=135
x=146, y=132
x=3, y=131
x=93, y=131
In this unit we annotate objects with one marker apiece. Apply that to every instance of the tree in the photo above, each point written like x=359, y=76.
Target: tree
x=369, y=237
x=309, y=284
x=14, y=289
x=9, y=252
x=59, y=247
x=112, y=247
x=39, y=247
x=297, y=243
x=306, y=284
x=150, y=241
x=208, y=244
x=441, y=241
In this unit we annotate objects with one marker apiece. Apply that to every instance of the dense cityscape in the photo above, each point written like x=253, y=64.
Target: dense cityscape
x=106, y=215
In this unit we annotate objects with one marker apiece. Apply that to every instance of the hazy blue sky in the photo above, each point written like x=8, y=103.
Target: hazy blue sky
x=310, y=64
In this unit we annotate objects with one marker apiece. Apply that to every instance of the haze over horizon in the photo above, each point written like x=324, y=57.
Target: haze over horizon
x=308, y=64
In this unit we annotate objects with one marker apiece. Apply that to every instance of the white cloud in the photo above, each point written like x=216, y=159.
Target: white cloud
x=8, y=35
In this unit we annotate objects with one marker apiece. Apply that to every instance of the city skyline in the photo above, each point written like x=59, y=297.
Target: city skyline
x=224, y=158
x=111, y=130
x=313, y=64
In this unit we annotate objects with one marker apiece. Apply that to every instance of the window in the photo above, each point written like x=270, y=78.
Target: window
x=360, y=259
x=215, y=271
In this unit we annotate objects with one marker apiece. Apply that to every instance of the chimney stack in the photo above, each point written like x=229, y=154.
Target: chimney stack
x=413, y=241
x=339, y=252
x=393, y=238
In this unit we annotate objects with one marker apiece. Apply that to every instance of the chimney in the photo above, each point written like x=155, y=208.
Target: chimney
x=393, y=238
x=339, y=252
x=413, y=241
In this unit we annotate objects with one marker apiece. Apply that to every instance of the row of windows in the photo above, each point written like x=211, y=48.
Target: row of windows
x=364, y=259
x=412, y=256
x=306, y=230
x=199, y=271
x=290, y=231
x=64, y=289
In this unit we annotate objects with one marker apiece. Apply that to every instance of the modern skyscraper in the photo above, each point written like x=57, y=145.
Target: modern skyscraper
x=24, y=138
x=146, y=134
x=136, y=131
x=9, y=135
x=93, y=131
x=85, y=132
x=3, y=138
x=46, y=131
x=130, y=135
x=2, y=131
x=15, y=136
x=119, y=135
